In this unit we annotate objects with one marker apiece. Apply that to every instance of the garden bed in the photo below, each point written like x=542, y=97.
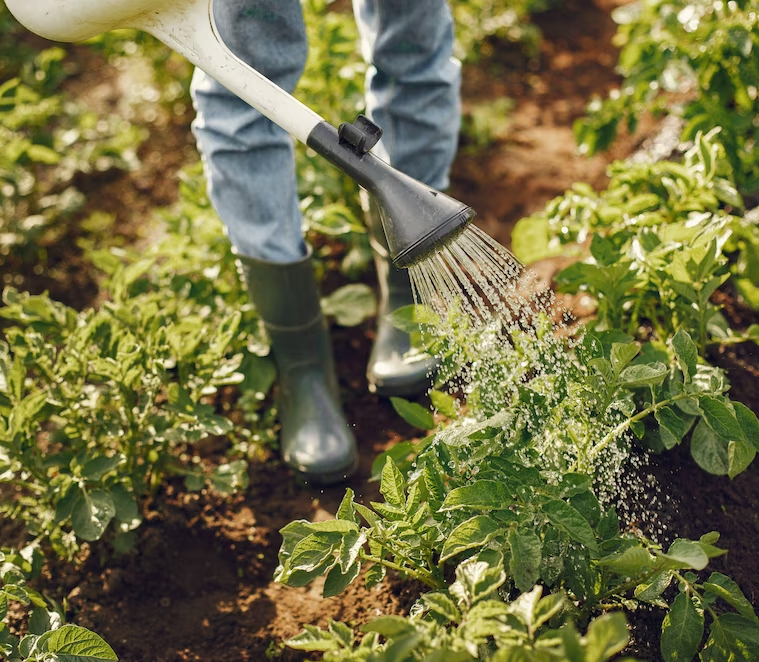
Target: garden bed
x=200, y=587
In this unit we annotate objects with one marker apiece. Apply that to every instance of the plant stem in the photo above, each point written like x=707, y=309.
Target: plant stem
x=624, y=425
x=417, y=573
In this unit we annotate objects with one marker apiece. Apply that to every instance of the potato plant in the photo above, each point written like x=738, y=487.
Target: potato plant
x=695, y=59
x=661, y=241
x=93, y=403
x=47, y=637
x=48, y=140
x=506, y=498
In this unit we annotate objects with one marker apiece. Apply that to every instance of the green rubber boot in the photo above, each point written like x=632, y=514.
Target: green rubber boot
x=392, y=369
x=315, y=439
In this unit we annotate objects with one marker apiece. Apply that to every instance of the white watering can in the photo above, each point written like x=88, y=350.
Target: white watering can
x=416, y=218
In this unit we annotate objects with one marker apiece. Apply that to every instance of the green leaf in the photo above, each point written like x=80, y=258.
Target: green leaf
x=230, y=477
x=607, y=635
x=682, y=630
x=569, y=520
x=72, y=643
x=433, y=481
x=654, y=587
x=43, y=620
x=390, y=627
x=127, y=510
x=99, y=466
x=92, y=513
x=724, y=587
x=671, y=427
x=441, y=604
x=732, y=638
x=375, y=575
x=314, y=639
x=16, y=592
x=481, y=495
x=337, y=580
x=347, y=510
x=548, y=607
x=686, y=352
x=393, y=485
x=573, y=483
x=475, y=532
x=622, y=354
x=350, y=548
x=524, y=607
x=643, y=374
x=739, y=456
x=351, y=304
x=749, y=423
x=341, y=632
x=313, y=550
x=629, y=563
x=686, y=554
x=526, y=556
x=721, y=418
x=413, y=413
x=444, y=403
x=709, y=450
x=479, y=576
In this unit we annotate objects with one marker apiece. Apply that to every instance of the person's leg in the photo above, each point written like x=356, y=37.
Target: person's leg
x=413, y=93
x=250, y=168
x=413, y=83
x=249, y=161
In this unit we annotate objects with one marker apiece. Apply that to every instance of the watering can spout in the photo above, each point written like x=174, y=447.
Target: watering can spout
x=415, y=217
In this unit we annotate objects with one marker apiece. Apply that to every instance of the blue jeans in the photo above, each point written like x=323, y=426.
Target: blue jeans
x=412, y=92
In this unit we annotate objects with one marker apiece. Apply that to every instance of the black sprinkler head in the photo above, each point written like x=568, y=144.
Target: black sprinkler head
x=417, y=219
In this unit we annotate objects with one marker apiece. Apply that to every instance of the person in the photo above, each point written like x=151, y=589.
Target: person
x=413, y=93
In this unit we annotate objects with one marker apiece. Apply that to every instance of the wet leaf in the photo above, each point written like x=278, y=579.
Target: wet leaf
x=475, y=532
x=480, y=495
x=526, y=556
x=682, y=630
x=569, y=520
x=413, y=413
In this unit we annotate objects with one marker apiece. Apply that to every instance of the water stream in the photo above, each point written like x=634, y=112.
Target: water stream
x=498, y=328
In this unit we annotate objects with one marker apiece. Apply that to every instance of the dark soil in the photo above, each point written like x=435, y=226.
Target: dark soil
x=201, y=587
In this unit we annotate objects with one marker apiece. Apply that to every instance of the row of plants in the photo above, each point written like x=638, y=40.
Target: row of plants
x=693, y=59
x=99, y=406
x=506, y=512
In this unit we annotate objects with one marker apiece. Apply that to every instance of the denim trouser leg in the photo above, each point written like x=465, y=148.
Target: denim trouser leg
x=412, y=93
x=413, y=84
x=249, y=161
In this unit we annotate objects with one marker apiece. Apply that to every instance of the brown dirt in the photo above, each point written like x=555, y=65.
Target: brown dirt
x=200, y=587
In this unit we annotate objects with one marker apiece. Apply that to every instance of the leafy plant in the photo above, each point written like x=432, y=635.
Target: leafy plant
x=508, y=20
x=48, y=140
x=92, y=403
x=660, y=244
x=48, y=637
x=696, y=59
x=507, y=495
x=473, y=627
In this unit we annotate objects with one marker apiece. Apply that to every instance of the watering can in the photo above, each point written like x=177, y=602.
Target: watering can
x=416, y=218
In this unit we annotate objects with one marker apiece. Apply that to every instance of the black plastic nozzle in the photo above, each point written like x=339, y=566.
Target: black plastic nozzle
x=416, y=219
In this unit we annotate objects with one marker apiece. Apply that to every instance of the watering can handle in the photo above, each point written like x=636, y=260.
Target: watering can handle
x=186, y=26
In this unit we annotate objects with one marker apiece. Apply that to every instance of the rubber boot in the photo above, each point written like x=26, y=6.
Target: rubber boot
x=315, y=439
x=392, y=370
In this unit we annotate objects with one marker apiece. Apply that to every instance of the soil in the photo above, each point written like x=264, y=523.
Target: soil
x=200, y=587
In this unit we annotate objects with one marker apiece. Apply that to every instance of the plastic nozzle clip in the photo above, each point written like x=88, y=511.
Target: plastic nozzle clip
x=362, y=135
